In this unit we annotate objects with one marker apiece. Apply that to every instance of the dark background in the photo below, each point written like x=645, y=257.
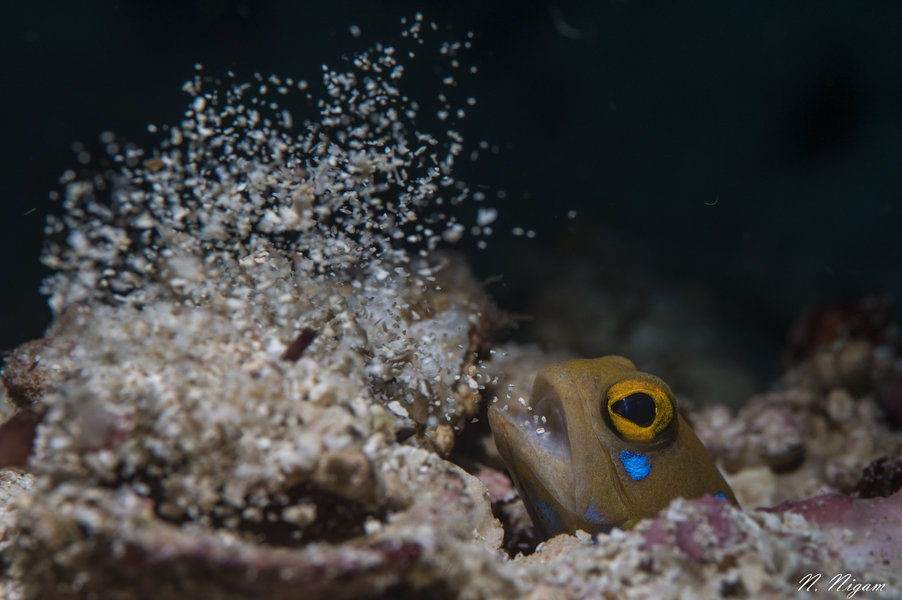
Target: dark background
x=753, y=147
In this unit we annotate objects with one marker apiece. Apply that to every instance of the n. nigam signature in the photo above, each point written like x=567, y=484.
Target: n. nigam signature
x=841, y=582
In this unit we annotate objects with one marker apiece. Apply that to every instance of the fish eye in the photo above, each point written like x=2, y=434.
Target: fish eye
x=640, y=409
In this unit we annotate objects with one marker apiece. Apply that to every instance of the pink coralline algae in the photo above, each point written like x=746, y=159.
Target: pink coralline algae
x=856, y=528
x=16, y=437
x=714, y=527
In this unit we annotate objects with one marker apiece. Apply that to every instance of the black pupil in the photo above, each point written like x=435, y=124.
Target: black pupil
x=638, y=408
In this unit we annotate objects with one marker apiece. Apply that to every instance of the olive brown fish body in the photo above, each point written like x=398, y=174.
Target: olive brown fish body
x=603, y=447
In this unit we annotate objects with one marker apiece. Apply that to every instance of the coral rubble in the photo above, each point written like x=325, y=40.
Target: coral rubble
x=260, y=365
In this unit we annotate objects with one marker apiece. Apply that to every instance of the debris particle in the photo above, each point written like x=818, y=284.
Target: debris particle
x=300, y=343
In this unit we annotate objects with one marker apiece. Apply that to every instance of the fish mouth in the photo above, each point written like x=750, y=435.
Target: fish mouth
x=538, y=465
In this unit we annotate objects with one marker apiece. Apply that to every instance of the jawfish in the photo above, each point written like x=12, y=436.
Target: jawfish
x=603, y=447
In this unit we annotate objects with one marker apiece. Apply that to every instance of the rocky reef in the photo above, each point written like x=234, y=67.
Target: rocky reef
x=264, y=379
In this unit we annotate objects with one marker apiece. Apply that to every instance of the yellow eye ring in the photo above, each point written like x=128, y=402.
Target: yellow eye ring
x=640, y=409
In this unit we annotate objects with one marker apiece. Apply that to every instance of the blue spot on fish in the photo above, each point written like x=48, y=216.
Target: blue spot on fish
x=548, y=516
x=720, y=495
x=592, y=514
x=635, y=464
